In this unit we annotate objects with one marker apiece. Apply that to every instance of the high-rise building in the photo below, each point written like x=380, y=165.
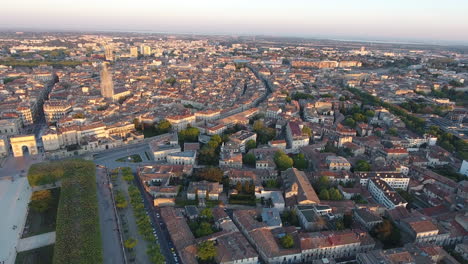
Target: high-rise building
x=145, y=50
x=107, y=86
x=109, y=52
x=134, y=52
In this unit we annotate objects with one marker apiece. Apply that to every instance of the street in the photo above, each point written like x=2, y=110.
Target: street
x=112, y=248
x=159, y=225
x=108, y=160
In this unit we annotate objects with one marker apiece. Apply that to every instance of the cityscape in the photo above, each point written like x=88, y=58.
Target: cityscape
x=128, y=147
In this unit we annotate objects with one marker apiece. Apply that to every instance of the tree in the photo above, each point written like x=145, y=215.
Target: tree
x=362, y=165
x=247, y=187
x=212, y=144
x=283, y=161
x=251, y=144
x=324, y=195
x=291, y=217
x=206, y=250
x=249, y=159
x=163, y=126
x=239, y=187
x=208, y=155
x=154, y=253
x=206, y=213
x=216, y=138
x=130, y=243
x=272, y=184
x=369, y=113
x=78, y=115
x=300, y=162
x=41, y=201
x=171, y=81
x=393, y=131
x=347, y=220
x=128, y=177
x=120, y=200
x=322, y=183
x=349, y=122
x=265, y=134
x=388, y=233
x=190, y=134
x=335, y=194
x=287, y=241
x=358, y=117
x=339, y=225
x=258, y=125
x=306, y=130
x=211, y=174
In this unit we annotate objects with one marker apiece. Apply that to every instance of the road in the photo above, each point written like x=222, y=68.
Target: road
x=108, y=160
x=112, y=249
x=165, y=242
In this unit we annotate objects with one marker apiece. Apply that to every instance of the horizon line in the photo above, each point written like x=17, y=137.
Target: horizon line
x=355, y=39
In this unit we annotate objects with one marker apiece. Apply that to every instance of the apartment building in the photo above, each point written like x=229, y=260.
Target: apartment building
x=294, y=136
x=384, y=194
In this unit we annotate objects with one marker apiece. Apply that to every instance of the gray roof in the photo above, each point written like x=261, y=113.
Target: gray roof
x=271, y=217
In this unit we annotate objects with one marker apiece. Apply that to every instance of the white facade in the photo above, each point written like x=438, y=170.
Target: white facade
x=51, y=142
x=182, y=158
x=464, y=168
x=384, y=194
x=9, y=127
x=4, y=146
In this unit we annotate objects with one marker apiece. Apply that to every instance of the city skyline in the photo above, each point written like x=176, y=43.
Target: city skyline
x=428, y=22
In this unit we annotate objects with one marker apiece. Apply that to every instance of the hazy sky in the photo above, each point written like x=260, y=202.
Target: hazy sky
x=429, y=20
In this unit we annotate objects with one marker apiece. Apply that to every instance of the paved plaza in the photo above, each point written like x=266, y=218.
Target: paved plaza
x=14, y=198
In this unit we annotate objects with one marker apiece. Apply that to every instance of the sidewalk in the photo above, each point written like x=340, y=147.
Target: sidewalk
x=38, y=241
x=14, y=199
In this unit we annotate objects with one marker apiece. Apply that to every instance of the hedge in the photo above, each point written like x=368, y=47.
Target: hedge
x=78, y=237
x=46, y=172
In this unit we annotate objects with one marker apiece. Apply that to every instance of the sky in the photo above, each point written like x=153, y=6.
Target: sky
x=391, y=20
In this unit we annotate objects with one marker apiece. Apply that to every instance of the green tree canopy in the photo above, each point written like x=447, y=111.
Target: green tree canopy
x=387, y=233
x=369, y=113
x=206, y=250
x=324, y=195
x=120, y=200
x=283, y=161
x=190, y=134
x=300, y=162
x=349, y=122
x=163, y=126
x=335, y=195
x=362, y=165
x=264, y=134
x=41, y=201
x=307, y=131
x=251, y=144
x=211, y=174
x=358, y=117
x=393, y=131
x=130, y=243
x=204, y=229
x=287, y=241
x=206, y=213
x=249, y=159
